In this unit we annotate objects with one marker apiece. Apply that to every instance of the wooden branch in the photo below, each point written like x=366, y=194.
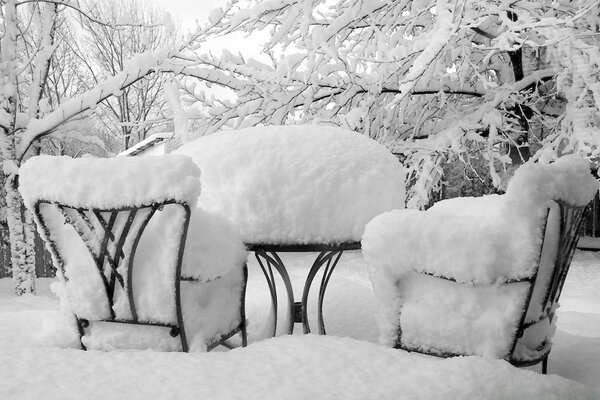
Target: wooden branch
x=483, y=33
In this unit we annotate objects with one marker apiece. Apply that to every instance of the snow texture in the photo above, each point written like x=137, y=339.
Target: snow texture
x=297, y=184
x=40, y=360
x=475, y=241
x=125, y=181
x=135, y=68
x=290, y=367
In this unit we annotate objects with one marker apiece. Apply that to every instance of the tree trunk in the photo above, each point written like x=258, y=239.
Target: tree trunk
x=21, y=242
x=519, y=152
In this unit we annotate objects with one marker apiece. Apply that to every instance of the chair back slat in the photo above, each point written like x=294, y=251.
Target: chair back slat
x=105, y=233
x=111, y=237
x=570, y=221
x=567, y=234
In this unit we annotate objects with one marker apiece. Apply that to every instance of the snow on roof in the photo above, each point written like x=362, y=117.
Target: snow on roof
x=109, y=182
x=297, y=184
x=150, y=141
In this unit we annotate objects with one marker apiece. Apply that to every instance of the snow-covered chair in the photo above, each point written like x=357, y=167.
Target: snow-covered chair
x=480, y=276
x=139, y=267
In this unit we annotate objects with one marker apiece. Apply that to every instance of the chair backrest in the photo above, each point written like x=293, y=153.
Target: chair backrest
x=111, y=238
x=571, y=218
x=559, y=241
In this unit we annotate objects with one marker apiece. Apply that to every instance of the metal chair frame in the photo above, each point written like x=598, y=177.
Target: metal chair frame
x=85, y=221
x=571, y=218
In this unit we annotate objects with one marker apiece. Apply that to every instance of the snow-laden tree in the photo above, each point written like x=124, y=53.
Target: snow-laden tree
x=30, y=111
x=103, y=50
x=66, y=77
x=432, y=79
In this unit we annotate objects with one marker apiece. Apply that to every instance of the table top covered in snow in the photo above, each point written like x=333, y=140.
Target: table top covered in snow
x=297, y=185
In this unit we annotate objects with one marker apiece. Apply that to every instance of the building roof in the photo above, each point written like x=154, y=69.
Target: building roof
x=145, y=144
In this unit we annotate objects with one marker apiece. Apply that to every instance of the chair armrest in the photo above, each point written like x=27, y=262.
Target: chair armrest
x=214, y=247
x=463, y=248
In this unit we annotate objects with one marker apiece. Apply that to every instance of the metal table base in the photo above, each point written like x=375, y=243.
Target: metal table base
x=269, y=260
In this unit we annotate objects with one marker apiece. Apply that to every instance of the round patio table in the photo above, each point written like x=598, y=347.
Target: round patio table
x=328, y=257
x=297, y=188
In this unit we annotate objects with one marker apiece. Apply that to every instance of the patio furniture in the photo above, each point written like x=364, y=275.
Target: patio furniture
x=481, y=276
x=299, y=188
x=117, y=230
x=328, y=257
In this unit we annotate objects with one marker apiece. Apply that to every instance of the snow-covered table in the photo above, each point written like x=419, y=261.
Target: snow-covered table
x=300, y=188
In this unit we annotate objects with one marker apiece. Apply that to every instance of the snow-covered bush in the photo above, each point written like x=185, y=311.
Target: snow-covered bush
x=298, y=183
x=479, y=244
x=214, y=254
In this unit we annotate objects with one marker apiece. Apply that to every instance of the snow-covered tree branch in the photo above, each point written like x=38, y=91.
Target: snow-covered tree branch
x=431, y=79
x=35, y=103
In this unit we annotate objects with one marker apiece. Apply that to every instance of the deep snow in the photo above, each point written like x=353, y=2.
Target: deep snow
x=33, y=364
x=291, y=184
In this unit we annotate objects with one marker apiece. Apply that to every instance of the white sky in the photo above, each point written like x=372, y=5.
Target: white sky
x=188, y=11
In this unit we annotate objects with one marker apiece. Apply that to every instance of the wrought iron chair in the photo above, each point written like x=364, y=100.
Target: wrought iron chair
x=112, y=237
x=481, y=276
x=540, y=298
x=129, y=277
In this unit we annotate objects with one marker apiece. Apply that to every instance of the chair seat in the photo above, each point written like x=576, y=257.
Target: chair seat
x=469, y=319
x=210, y=311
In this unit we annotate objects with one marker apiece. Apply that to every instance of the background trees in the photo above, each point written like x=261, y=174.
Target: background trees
x=490, y=84
x=432, y=79
x=39, y=102
x=131, y=27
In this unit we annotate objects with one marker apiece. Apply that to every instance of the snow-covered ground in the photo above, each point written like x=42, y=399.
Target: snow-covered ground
x=36, y=361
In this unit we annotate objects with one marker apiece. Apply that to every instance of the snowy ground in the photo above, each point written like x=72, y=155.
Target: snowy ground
x=348, y=363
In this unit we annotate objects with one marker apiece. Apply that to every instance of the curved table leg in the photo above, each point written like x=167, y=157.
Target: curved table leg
x=330, y=260
x=273, y=260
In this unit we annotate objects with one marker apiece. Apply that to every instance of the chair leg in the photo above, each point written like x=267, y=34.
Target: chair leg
x=244, y=323
x=244, y=334
x=545, y=365
x=81, y=325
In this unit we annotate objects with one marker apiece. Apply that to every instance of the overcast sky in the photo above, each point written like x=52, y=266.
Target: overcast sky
x=188, y=11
